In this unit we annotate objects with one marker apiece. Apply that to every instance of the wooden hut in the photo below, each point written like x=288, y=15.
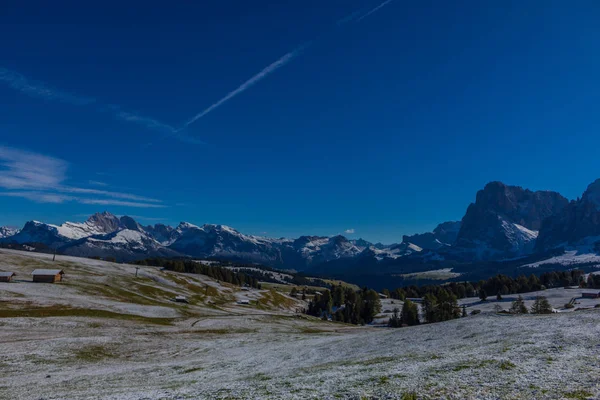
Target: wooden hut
x=6, y=276
x=47, y=275
x=588, y=295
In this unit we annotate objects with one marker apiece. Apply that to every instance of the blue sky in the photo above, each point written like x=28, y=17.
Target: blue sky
x=288, y=118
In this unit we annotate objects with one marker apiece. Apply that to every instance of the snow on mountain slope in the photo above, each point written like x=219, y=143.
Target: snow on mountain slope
x=521, y=238
x=395, y=251
x=5, y=232
x=124, y=245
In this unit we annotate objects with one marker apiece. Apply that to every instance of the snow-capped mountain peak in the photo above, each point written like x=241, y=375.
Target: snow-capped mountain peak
x=6, y=231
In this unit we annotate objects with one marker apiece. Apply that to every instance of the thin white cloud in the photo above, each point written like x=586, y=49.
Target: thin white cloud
x=140, y=217
x=118, y=203
x=97, y=183
x=21, y=84
x=39, y=197
x=268, y=70
x=374, y=10
x=41, y=178
x=349, y=231
x=18, y=82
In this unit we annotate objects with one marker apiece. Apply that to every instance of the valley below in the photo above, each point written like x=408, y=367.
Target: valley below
x=103, y=333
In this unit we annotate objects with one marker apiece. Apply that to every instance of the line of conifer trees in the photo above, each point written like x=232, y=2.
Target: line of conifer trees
x=345, y=304
x=499, y=284
x=219, y=273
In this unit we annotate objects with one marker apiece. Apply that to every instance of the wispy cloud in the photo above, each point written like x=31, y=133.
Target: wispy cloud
x=41, y=178
x=349, y=231
x=374, y=10
x=37, y=89
x=268, y=70
x=97, y=183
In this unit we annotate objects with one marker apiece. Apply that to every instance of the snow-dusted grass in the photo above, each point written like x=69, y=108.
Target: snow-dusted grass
x=557, y=297
x=570, y=258
x=438, y=274
x=246, y=357
x=227, y=351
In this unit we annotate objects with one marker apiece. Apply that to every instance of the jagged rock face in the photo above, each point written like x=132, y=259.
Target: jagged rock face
x=443, y=235
x=6, y=231
x=162, y=233
x=504, y=220
x=129, y=223
x=223, y=241
x=106, y=222
x=578, y=221
x=38, y=232
x=447, y=232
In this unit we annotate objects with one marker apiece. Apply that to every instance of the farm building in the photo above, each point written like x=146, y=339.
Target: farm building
x=181, y=299
x=6, y=276
x=590, y=295
x=47, y=275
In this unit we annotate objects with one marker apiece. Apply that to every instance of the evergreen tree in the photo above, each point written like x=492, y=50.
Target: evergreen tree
x=482, y=294
x=395, y=321
x=518, y=306
x=541, y=306
x=499, y=296
x=429, y=305
x=410, y=313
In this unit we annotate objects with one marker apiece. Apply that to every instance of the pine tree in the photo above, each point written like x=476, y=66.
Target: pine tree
x=482, y=294
x=499, y=296
x=518, y=306
x=410, y=313
x=394, y=321
x=429, y=305
x=541, y=306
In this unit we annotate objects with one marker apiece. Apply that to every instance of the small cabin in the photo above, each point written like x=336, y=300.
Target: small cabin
x=6, y=276
x=48, y=275
x=590, y=295
x=181, y=299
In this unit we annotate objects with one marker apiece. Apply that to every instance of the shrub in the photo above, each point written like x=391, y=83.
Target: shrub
x=475, y=312
x=569, y=305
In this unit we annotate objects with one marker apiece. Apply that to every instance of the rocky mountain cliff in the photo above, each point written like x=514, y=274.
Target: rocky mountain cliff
x=444, y=234
x=578, y=224
x=504, y=221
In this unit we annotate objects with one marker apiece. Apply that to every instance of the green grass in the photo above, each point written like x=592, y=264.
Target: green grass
x=578, y=394
x=307, y=330
x=409, y=396
x=506, y=365
x=61, y=311
x=94, y=353
x=272, y=298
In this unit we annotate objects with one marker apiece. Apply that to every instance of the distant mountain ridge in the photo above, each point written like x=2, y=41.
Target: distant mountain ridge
x=504, y=222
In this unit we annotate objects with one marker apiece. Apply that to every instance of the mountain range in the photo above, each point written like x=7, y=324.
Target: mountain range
x=504, y=222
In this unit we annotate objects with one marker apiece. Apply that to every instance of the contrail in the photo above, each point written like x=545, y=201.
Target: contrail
x=379, y=7
x=250, y=82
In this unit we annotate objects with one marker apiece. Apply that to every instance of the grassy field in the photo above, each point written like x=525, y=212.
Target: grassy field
x=105, y=334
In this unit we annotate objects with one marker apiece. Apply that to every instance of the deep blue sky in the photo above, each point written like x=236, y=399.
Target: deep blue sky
x=386, y=125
